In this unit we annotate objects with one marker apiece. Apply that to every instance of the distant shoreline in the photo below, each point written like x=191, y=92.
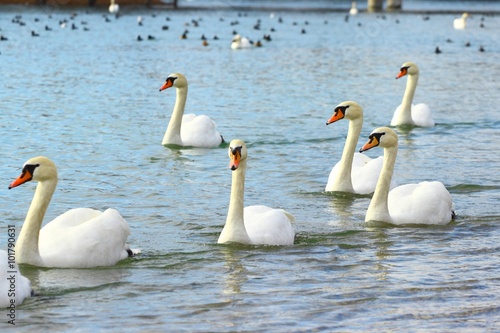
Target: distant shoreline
x=81, y=3
x=127, y=5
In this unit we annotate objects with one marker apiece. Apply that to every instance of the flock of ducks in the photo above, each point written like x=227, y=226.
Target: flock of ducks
x=460, y=23
x=238, y=41
x=85, y=238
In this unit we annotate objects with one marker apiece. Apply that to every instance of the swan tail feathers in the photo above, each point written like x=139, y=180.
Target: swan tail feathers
x=133, y=252
x=290, y=216
x=422, y=115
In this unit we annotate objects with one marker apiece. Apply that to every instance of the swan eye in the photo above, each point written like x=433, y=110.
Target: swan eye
x=235, y=150
x=30, y=168
x=376, y=137
x=341, y=109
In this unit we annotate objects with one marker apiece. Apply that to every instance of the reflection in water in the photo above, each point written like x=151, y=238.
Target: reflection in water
x=56, y=280
x=342, y=205
x=180, y=151
x=404, y=135
x=236, y=273
x=382, y=253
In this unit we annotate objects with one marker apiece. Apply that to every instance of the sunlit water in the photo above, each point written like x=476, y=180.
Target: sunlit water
x=90, y=101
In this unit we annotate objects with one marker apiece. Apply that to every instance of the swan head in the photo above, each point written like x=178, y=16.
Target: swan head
x=383, y=137
x=38, y=168
x=465, y=15
x=348, y=109
x=176, y=80
x=237, y=152
x=236, y=38
x=408, y=68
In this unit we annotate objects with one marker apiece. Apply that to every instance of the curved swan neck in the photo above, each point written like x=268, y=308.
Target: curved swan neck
x=27, y=243
x=173, y=133
x=378, y=209
x=234, y=229
x=411, y=86
x=343, y=179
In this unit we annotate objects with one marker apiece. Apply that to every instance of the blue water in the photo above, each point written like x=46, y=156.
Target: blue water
x=89, y=100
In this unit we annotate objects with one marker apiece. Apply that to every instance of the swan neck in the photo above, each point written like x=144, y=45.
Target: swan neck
x=343, y=181
x=173, y=133
x=411, y=86
x=378, y=209
x=234, y=229
x=27, y=243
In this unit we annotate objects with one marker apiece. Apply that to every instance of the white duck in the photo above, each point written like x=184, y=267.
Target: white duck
x=190, y=129
x=14, y=287
x=423, y=203
x=407, y=113
x=460, y=23
x=239, y=42
x=79, y=238
x=355, y=172
x=258, y=225
x=114, y=7
x=354, y=9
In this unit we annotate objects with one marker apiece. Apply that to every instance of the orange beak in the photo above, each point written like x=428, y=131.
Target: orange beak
x=336, y=116
x=402, y=72
x=167, y=85
x=372, y=142
x=235, y=159
x=26, y=176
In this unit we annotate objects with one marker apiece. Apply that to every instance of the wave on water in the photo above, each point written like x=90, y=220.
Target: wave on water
x=471, y=188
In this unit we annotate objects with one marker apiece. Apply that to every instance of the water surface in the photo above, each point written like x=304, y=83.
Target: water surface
x=90, y=101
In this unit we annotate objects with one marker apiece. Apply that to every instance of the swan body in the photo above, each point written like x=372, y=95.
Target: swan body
x=423, y=203
x=79, y=238
x=355, y=172
x=239, y=42
x=353, y=10
x=408, y=113
x=190, y=129
x=460, y=23
x=257, y=225
x=114, y=7
x=9, y=274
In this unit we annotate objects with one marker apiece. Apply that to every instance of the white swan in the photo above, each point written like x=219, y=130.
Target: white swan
x=353, y=10
x=239, y=42
x=355, y=172
x=114, y=7
x=14, y=287
x=259, y=225
x=422, y=203
x=79, y=238
x=460, y=23
x=190, y=129
x=407, y=113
